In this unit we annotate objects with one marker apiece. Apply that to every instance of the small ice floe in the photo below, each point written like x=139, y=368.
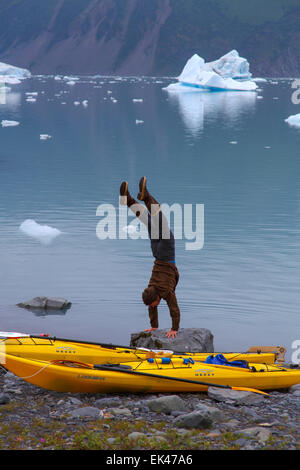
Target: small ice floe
x=267, y=147
x=109, y=92
x=275, y=98
x=45, y=136
x=259, y=97
x=69, y=78
x=30, y=99
x=130, y=229
x=114, y=100
x=31, y=93
x=259, y=79
x=5, y=123
x=71, y=82
x=76, y=103
x=294, y=120
x=139, y=121
x=57, y=77
x=233, y=142
x=137, y=100
x=85, y=103
x=43, y=233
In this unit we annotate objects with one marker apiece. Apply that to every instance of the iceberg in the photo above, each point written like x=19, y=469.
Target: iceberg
x=42, y=233
x=229, y=73
x=294, y=120
x=7, y=70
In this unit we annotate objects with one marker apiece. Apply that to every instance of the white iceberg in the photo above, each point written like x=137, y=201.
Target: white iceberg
x=294, y=120
x=13, y=72
x=43, y=233
x=5, y=123
x=229, y=73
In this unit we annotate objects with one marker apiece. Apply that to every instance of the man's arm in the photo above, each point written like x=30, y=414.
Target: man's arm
x=153, y=315
x=174, y=310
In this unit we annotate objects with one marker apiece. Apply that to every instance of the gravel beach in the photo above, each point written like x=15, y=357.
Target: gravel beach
x=36, y=419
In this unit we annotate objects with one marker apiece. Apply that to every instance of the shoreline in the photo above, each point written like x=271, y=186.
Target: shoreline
x=36, y=419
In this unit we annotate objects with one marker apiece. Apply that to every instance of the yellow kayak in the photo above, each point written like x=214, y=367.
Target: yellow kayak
x=148, y=376
x=51, y=348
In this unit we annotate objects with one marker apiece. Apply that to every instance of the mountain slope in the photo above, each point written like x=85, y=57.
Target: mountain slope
x=148, y=37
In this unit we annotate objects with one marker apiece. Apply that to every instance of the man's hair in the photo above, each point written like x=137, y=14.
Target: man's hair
x=149, y=295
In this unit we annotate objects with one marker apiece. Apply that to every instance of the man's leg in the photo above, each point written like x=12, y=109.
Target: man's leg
x=158, y=226
x=137, y=208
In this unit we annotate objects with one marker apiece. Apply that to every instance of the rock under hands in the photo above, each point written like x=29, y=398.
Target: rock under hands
x=188, y=339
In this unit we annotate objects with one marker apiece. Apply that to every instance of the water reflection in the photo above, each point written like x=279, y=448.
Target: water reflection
x=196, y=105
x=9, y=100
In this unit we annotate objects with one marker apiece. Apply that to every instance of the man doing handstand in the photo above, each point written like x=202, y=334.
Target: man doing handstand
x=165, y=274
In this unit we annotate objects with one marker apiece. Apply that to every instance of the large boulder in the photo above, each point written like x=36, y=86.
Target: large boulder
x=236, y=397
x=46, y=303
x=187, y=340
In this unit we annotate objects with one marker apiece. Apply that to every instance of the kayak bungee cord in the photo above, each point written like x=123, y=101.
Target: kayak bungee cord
x=198, y=382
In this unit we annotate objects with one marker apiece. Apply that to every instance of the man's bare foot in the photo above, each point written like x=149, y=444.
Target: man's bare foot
x=150, y=329
x=171, y=334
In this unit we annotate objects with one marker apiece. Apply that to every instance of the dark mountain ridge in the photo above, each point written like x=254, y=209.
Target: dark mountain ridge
x=148, y=37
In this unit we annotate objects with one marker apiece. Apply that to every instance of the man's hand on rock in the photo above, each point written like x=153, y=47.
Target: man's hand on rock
x=150, y=329
x=171, y=334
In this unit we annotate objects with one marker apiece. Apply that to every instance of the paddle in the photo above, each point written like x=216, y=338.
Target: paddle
x=207, y=384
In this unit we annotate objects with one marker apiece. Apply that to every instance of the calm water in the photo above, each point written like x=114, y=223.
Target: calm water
x=243, y=285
